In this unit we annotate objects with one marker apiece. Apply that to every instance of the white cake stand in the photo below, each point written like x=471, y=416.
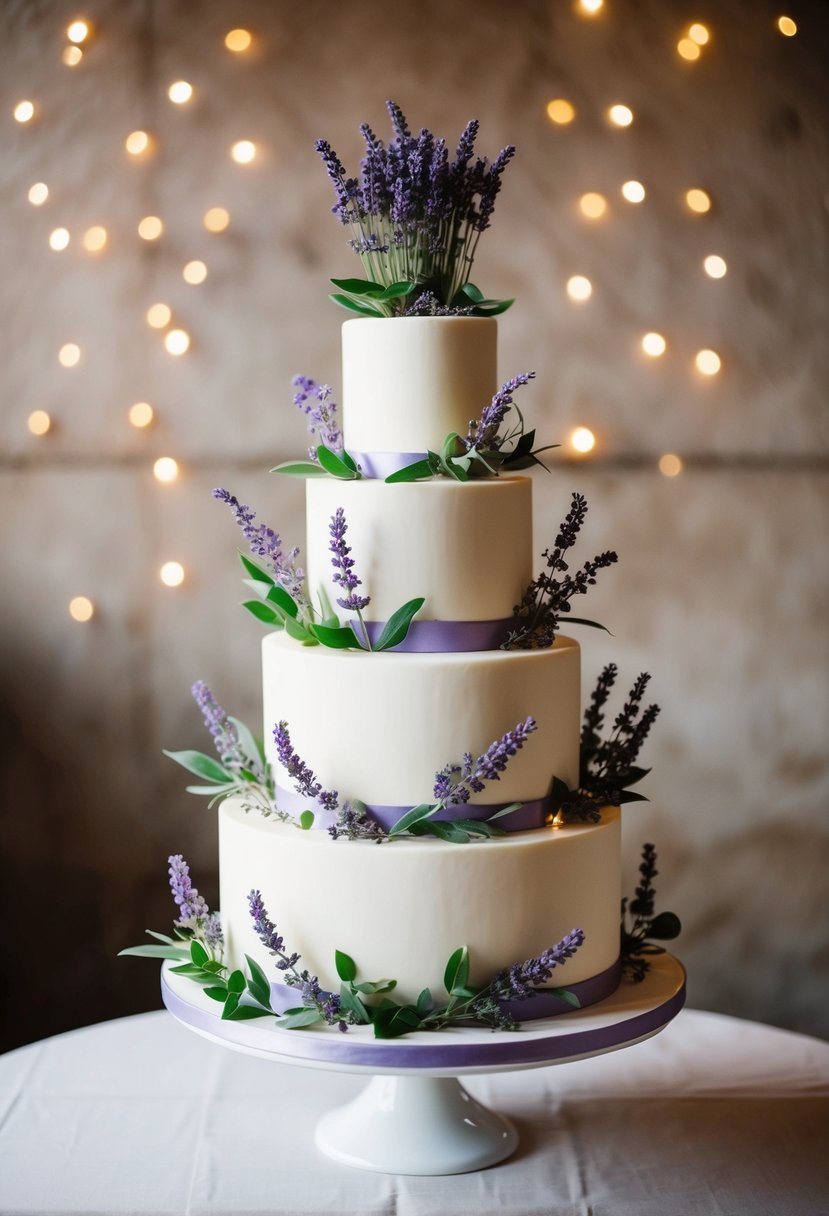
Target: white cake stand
x=414, y=1116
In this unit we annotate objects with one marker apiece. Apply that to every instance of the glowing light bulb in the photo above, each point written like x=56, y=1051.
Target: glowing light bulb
x=582, y=440
x=39, y=422
x=560, y=111
x=633, y=192
x=81, y=609
x=620, y=116
x=238, y=40
x=787, y=27
x=194, y=272
x=59, y=238
x=150, y=228
x=699, y=33
x=216, y=219
x=593, y=205
x=654, y=344
x=708, y=362
x=172, y=574
x=141, y=414
x=590, y=7
x=69, y=354
x=165, y=469
x=698, y=201
x=95, y=239
x=180, y=92
x=78, y=31
x=24, y=111
x=688, y=49
x=670, y=465
x=159, y=316
x=579, y=288
x=177, y=342
x=137, y=142
x=243, y=151
x=38, y=194
x=72, y=55
x=715, y=266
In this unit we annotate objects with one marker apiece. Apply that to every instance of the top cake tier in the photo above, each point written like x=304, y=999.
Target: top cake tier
x=409, y=381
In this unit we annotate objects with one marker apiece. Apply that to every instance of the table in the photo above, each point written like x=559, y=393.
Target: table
x=139, y=1115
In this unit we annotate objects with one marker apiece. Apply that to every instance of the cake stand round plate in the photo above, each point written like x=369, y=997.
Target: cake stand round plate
x=415, y=1117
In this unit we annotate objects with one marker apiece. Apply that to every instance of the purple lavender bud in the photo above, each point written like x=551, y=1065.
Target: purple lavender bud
x=398, y=121
x=519, y=981
x=483, y=434
x=212, y=930
x=491, y=187
x=304, y=780
x=494, y=760
x=191, y=905
x=264, y=928
x=343, y=564
x=266, y=543
x=313, y=400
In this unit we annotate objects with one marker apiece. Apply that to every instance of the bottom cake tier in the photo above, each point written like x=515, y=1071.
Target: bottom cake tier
x=401, y=908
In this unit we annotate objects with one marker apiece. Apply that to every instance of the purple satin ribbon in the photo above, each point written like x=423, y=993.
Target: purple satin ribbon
x=442, y=637
x=529, y=815
x=381, y=465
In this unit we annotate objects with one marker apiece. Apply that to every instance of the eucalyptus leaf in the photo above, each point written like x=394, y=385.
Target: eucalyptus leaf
x=341, y=638
x=564, y=994
x=353, y=1005
x=258, y=985
x=190, y=970
x=297, y=1018
x=201, y=765
x=374, y=987
x=392, y=1023
x=334, y=465
x=306, y=820
x=298, y=632
x=210, y=791
x=161, y=937
x=507, y=810
x=353, y=306
x=264, y=613
x=345, y=965
x=448, y=831
x=174, y=952
x=412, y=472
x=424, y=811
x=397, y=626
x=299, y=468
x=456, y=974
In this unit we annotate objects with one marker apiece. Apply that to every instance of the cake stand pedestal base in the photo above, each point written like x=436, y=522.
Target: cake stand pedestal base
x=416, y=1125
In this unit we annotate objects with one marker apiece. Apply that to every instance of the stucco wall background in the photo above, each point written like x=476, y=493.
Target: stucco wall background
x=721, y=587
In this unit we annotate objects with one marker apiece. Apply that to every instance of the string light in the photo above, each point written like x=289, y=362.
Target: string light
x=81, y=609
x=633, y=192
x=216, y=219
x=708, y=362
x=39, y=422
x=582, y=440
x=177, y=342
x=590, y=7
x=95, y=239
x=165, y=469
x=787, y=27
x=141, y=414
x=670, y=465
x=72, y=55
x=150, y=228
x=715, y=266
x=699, y=33
x=194, y=273
x=137, y=142
x=238, y=40
x=78, y=31
x=579, y=288
x=69, y=354
x=560, y=111
x=59, y=239
x=24, y=111
x=172, y=574
x=698, y=201
x=38, y=194
x=159, y=316
x=180, y=92
x=593, y=205
x=654, y=344
x=620, y=116
x=688, y=49
x=243, y=151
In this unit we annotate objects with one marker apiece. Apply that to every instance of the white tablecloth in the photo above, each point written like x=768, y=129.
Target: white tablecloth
x=142, y=1116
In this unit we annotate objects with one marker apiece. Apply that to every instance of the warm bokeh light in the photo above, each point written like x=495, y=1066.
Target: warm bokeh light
x=194, y=272
x=95, y=239
x=59, y=238
x=165, y=469
x=238, y=40
x=715, y=266
x=590, y=7
x=159, y=316
x=654, y=344
x=579, y=288
x=69, y=354
x=699, y=33
x=787, y=26
x=78, y=31
x=72, y=55
x=698, y=200
x=39, y=422
x=24, y=111
x=633, y=192
x=81, y=609
x=150, y=228
x=137, y=142
x=243, y=151
x=38, y=194
x=141, y=414
x=670, y=465
x=708, y=362
x=582, y=440
x=177, y=342
x=620, y=116
x=688, y=49
x=172, y=574
x=593, y=205
x=560, y=111
x=180, y=92
x=216, y=219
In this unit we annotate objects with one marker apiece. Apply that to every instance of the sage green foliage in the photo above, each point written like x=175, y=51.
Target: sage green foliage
x=370, y=299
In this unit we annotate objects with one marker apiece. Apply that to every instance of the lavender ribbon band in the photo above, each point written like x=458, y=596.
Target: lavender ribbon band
x=529, y=815
x=381, y=465
x=442, y=637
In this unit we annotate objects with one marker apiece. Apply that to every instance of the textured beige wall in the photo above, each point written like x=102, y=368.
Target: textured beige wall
x=721, y=588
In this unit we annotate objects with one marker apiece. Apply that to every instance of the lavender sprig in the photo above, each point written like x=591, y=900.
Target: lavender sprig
x=303, y=778
x=267, y=544
x=354, y=823
x=456, y=783
x=638, y=937
x=326, y=1004
x=233, y=755
x=521, y=981
x=192, y=907
x=483, y=434
x=314, y=401
x=344, y=575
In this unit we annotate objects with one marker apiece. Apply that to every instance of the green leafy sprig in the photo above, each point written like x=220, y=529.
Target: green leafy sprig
x=331, y=464
x=642, y=927
x=370, y=299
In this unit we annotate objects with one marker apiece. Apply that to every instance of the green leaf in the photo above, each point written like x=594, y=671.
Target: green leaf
x=507, y=810
x=190, y=970
x=424, y=811
x=471, y=292
x=297, y=631
x=295, y=1019
x=632, y=776
x=397, y=626
x=395, y=291
x=299, y=468
x=559, y=794
x=280, y=597
x=174, y=952
x=264, y=613
x=215, y=994
x=564, y=994
x=244, y=1013
x=425, y=1004
x=412, y=472
x=353, y=1005
x=580, y=620
x=256, y=572
x=391, y=1023
x=250, y=744
x=334, y=465
x=231, y=1005
x=665, y=927
x=236, y=982
x=479, y=827
x=631, y=796
x=258, y=985
x=365, y=309
x=210, y=790
x=359, y=287
x=346, y=967
x=492, y=308
x=456, y=975
x=341, y=638
x=447, y=830
x=306, y=820
x=198, y=954
x=375, y=987
x=201, y=765
x=213, y=966
x=161, y=937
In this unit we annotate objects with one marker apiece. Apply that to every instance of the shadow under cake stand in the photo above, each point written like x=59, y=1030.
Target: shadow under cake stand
x=414, y=1116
